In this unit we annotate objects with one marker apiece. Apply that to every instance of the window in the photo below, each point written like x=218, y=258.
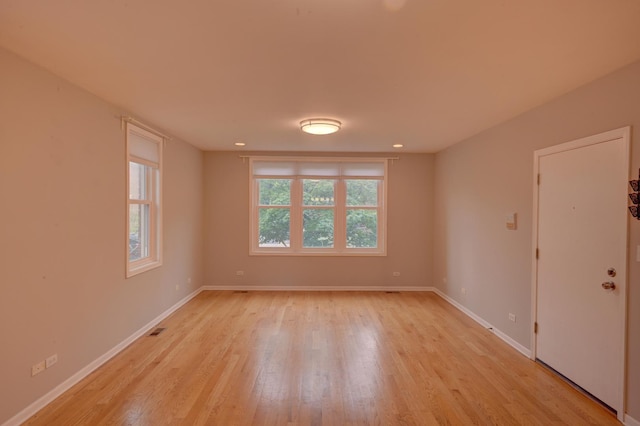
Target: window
x=316, y=206
x=144, y=241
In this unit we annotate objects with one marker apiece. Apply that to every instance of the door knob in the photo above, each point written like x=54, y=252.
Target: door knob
x=611, y=272
x=609, y=285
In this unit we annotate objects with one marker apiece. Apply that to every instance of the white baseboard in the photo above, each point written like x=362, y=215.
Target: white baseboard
x=630, y=421
x=40, y=403
x=517, y=346
x=314, y=288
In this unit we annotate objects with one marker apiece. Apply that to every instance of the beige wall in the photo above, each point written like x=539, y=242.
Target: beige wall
x=62, y=238
x=62, y=219
x=227, y=235
x=479, y=181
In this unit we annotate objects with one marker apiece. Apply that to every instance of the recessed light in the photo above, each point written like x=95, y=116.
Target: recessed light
x=239, y=144
x=397, y=145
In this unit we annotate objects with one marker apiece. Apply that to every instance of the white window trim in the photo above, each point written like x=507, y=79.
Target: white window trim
x=154, y=259
x=339, y=208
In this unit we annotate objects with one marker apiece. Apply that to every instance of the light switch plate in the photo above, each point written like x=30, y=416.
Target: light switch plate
x=511, y=220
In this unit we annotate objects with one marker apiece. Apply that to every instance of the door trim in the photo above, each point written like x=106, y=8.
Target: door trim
x=623, y=133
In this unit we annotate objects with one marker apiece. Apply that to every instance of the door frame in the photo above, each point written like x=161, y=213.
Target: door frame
x=623, y=133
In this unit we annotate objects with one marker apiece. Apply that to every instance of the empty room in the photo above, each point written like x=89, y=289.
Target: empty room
x=320, y=212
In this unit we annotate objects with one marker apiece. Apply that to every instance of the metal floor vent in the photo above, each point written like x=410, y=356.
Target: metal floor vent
x=241, y=291
x=157, y=331
x=392, y=292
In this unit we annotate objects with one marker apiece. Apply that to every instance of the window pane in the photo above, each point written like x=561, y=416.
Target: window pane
x=362, y=228
x=138, y=231
x=317, y=228
x=362, y=193
x=275, y=192
x=318, y=192
x=137, y=181
x=274, y=228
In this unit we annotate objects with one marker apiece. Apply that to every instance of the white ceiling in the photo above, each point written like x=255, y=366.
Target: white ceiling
x=424, y=73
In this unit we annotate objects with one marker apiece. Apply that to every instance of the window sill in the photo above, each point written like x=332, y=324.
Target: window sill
x=140, y=267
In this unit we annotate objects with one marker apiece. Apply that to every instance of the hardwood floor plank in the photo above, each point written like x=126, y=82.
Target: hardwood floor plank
x=323, y=358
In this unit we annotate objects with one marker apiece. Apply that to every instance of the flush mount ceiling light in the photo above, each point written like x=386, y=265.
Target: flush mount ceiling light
x=320, y=126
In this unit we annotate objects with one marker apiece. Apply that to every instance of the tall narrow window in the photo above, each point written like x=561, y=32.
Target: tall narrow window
x=316, y=206
x=274, y=212
x=144, y=240
x=318, y=212
x=362, y=212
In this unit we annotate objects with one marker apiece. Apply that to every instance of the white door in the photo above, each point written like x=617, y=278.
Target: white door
x=581, y=234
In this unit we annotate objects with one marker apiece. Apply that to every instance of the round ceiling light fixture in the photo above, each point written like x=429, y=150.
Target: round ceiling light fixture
x=320, y=126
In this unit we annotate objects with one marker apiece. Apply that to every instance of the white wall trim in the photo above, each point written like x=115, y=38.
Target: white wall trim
x=508, y=340
x=43, y=401
x=314, y=288
x=630, y=421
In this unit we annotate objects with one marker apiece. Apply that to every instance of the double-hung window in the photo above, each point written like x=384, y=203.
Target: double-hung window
x=144, y=239
x=318, y=206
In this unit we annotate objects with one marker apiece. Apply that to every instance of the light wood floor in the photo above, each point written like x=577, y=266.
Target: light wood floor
x=325, y=358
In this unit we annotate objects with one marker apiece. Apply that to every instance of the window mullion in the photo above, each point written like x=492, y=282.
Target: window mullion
x=382, y=222
x=340, y=215
x=255, y=203
x=152, y=195
x=296, y=214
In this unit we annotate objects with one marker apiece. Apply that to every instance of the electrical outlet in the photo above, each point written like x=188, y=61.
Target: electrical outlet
x=240, y=273
x=463, y=290
x=189, y=280
x=38, y=368
x=512, y=317
x=396, y=274
x=177, y=287
x=49, y=362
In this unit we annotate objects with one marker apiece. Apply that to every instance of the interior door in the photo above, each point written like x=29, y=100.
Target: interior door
x=581, y=265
